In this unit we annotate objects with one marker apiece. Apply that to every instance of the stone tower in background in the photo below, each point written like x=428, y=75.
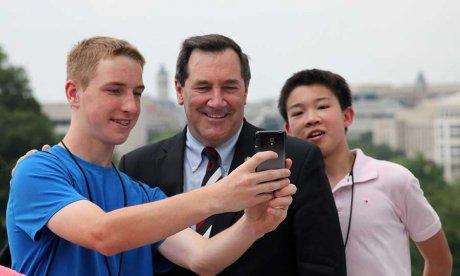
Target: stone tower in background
x=162, y=83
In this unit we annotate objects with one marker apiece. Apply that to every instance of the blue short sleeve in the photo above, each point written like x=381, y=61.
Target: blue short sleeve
x=40, y=187
x=154, y=193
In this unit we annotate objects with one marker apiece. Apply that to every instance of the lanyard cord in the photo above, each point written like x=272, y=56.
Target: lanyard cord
x=91, y=199
x=351, y=201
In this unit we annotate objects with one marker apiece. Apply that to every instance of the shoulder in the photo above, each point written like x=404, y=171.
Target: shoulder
x=388, y=174
x=38, y=162
x=148, y=151
x=392, y=171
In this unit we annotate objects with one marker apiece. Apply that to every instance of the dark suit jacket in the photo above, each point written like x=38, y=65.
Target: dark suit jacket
x=308, y=242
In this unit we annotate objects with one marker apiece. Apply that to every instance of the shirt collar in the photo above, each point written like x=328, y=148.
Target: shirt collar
x=365, y=167
x=226, y=150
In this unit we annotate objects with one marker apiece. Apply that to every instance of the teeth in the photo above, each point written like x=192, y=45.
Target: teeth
x=122, y=122
x=215, y=116
x=315, y=133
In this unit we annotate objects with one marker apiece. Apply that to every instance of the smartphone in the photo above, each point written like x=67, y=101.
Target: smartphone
x=273, y=140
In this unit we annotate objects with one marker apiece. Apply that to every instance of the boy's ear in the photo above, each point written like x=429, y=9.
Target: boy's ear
x=348, y=116
x=71, y=93
x=286, y=128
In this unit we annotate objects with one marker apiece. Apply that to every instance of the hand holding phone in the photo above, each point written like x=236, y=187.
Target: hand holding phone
x=273, y=140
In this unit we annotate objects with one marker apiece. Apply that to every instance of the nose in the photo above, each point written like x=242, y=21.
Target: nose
x=217, y=99
x=130, y=103
x=312, y=118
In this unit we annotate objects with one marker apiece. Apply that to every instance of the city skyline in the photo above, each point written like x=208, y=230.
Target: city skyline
x=365, y=41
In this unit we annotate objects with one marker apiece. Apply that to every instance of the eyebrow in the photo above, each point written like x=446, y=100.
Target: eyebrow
x=300, y=105
x=231, y=81
x=115, y=83
x=200, y=82
x=205, y=82
x=123, y=84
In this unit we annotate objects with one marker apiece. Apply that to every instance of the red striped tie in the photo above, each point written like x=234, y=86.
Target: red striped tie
x=213, y=174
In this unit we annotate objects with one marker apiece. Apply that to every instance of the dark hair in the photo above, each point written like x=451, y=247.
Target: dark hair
x=337, y=84
x=209, y=43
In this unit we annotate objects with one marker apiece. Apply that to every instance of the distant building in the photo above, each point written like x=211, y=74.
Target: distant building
x=432, y=128
x=372, y=110
x=415, y=129
x=162, y=84
x=447, y=136
x=59, y=114
x=410, y=94
x=264, y=114
x=421, y=86
x=418, y=118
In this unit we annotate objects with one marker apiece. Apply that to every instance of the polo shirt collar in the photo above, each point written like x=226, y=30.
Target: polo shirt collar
x=365, y=167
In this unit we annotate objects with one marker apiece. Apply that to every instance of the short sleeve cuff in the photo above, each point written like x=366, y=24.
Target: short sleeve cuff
x=428, y=232
x=34, y=233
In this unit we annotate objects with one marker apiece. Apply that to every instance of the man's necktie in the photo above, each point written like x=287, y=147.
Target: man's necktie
x=213, y=174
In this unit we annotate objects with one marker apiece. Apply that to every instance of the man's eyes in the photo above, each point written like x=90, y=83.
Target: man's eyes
x=230, y=87
x=202, y=88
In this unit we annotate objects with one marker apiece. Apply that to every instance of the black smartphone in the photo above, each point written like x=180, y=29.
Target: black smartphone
x=273, y=140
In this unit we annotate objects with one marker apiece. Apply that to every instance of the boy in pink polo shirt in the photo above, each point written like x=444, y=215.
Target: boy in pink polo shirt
x=380, y=204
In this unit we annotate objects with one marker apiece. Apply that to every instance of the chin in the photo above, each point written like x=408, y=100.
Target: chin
x=116, y=140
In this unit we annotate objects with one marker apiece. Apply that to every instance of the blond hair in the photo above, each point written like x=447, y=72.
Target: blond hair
x=85, y=56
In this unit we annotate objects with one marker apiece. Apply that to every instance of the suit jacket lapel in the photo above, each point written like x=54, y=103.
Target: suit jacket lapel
x=171, y=165
x=244, y=148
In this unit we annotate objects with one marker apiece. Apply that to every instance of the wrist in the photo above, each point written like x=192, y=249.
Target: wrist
x=212, y=198
x=251, y=227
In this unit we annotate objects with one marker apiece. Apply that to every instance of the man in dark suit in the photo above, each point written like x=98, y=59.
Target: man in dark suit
x=212, y=78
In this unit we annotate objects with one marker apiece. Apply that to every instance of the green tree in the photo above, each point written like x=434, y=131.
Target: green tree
x=23, y=125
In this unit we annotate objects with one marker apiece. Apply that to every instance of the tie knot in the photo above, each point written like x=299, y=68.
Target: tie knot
x=211, y=154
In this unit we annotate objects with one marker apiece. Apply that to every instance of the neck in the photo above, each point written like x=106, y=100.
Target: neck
x=338, y=165
x=88, y=148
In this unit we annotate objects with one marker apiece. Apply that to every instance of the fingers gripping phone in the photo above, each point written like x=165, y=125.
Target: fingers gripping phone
x=273, y=140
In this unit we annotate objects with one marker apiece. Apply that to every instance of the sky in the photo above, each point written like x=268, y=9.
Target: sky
x=365, y=41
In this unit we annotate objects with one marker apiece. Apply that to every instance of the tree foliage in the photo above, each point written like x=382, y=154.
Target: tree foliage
x=23, y=124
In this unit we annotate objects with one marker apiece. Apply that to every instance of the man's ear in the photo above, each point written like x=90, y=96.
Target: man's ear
x=71, y=93
x=246, y=93
x=348, y=116
x=179, y=92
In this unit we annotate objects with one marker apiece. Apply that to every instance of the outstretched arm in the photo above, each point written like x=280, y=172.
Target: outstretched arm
x=131, y=227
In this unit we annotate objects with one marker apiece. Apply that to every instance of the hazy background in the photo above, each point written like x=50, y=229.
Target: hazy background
x=365, y=41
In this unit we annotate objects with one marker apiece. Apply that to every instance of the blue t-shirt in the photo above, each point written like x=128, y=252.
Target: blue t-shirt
x=43, y=184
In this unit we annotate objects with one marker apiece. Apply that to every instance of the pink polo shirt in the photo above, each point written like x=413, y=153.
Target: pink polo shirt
x=388, y=207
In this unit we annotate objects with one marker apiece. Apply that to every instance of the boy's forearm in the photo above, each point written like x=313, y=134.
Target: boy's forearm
x=225, y=248
x=151, y=222
x=437, y=256
x=440, y=268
